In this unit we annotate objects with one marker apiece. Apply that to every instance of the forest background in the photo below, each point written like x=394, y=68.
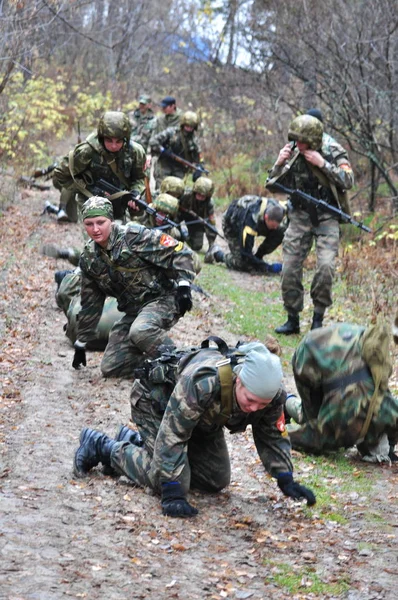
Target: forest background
x=247, y=67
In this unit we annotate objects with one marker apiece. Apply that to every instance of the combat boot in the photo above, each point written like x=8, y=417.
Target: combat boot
x=317, y=321
x=95, y=447
x=50, y=209
x=214, y=254
x=54, y=251
x=291, y=326
x=62, y=217
x=125, y=434
x=59, y=276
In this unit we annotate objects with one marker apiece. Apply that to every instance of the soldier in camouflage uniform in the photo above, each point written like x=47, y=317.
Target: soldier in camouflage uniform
x=324, y=172
x=108, y=154
x=171, y=115
x=197, y=202
x=147, y=271
x=244, y=220
x=143, y=122
x=180, y=140
x=332, y=373
x=182, y=428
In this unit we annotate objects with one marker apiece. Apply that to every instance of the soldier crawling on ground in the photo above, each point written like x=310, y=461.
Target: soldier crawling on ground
x=181, y=420
x=341, y=373
x=147, y=271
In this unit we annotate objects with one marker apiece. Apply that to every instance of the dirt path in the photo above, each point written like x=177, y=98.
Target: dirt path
x=103, y=538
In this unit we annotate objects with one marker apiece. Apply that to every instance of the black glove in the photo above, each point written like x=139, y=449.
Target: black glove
x=184, y=298
x=294, y=490
x=174, y=503
x=165, y=152
x=196, y=174
x=79, y=358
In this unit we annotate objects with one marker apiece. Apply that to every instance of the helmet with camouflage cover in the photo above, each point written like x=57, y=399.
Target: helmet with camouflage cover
x=308, y=130
x=173, y=186
x=204, y=186
x=114, y=124
x=189, y=118
x=166, y=204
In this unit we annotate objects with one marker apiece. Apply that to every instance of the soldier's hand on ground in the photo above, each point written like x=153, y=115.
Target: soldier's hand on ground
x=293, y=489
x=184, y=298
x=174, y=503
x=79, y=358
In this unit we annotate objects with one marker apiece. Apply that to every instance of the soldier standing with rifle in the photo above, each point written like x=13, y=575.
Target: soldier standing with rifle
x=323, y=171
x=108, y=154
x=176, y=143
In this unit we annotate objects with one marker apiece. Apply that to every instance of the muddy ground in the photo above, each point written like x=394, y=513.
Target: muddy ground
x=102, y=538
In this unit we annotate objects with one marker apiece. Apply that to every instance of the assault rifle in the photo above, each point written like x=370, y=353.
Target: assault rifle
x=198, y=219
x=108, y=189
x=329, y=208
x=31, y=180
x=182, y=161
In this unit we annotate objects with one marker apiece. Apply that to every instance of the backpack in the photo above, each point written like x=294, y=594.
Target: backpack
x=163, y=371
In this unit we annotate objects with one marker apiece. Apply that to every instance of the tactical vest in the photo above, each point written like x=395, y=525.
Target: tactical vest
x=165, y=369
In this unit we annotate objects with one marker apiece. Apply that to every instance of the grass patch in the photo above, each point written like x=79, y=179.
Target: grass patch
x=295, y=580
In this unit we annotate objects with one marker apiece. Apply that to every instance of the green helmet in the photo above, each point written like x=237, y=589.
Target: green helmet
x=173, y=186
x=114, y=124
x=189, y=118
x=166, y=204
x=306, y=129
x=204, y=186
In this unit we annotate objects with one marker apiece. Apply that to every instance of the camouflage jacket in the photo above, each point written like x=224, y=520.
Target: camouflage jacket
x=174, y=139
x=335, y=406
x=138, y=266
x=142, y=126
x=165, y=121
x=297, y=174
x=244, y=221
x=91, y=163
x=196, y=403
x=202, y=208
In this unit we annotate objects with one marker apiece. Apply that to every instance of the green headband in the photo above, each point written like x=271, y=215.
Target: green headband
x=96, y=206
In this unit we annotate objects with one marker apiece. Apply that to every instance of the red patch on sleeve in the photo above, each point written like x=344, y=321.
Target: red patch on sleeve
x=346, y=167
x=167, y=240
x=280, y=424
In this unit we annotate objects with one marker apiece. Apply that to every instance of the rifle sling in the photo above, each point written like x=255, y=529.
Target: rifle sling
x=89, y=194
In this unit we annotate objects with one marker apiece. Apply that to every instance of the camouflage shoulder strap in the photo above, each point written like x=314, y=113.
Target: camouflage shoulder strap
x=341, y=198
x=376, y=353
x=224, y=368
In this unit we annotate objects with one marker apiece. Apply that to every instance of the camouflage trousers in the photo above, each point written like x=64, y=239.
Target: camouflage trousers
x=207, y=466
x=68, y=290
x=137, y=337
x=234, y=258
x=196, y=236
x=333, y=419
x=297, y=244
